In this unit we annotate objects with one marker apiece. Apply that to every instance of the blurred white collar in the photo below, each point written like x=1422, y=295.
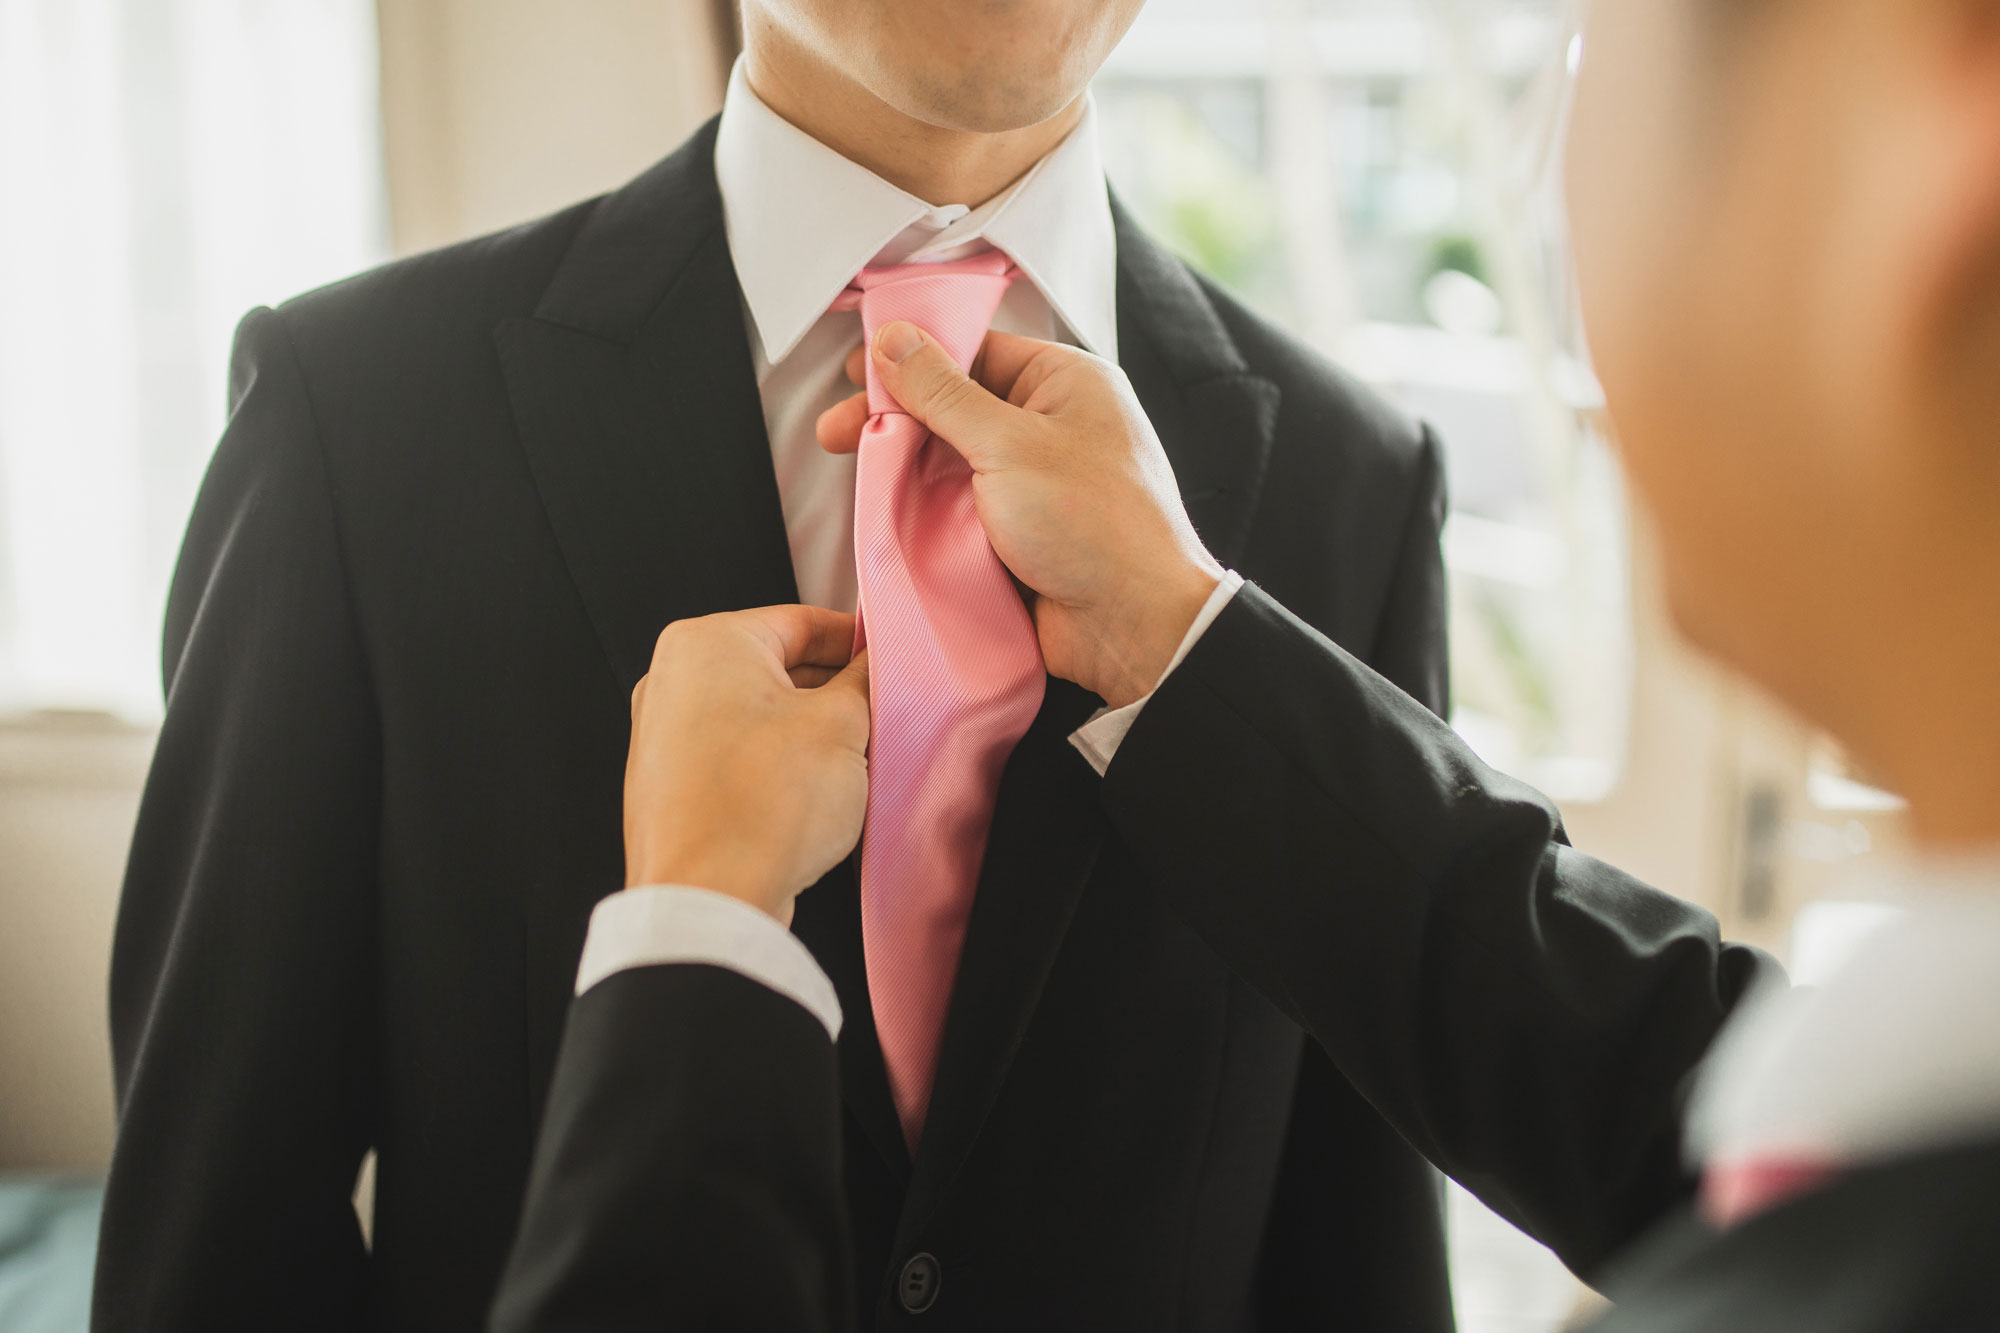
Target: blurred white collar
x=1898, y=1052
x=802, y=220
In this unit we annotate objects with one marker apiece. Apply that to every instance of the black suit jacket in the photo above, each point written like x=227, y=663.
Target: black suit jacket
x=1906, y=1246
x=1525, y=1015
x=457, y=500
x=688, y=1171
x=647, y=1201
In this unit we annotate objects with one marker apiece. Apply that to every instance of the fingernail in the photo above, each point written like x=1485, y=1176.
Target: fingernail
x=898, y=340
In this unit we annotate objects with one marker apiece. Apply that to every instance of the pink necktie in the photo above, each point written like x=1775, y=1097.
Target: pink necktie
x=1733, y=1192
x=955, y=676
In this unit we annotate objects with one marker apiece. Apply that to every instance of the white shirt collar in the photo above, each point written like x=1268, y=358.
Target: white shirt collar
x=1896, y=1053
x=802, y=220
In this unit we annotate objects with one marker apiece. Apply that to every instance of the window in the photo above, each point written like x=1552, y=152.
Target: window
x=167, y=164
x=1380, y=176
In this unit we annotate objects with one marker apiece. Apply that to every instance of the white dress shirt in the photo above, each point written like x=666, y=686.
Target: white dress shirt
x=802, y=220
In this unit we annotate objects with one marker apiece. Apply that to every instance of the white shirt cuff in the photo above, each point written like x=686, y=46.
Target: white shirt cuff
x=647, y=927
x=1099, y=738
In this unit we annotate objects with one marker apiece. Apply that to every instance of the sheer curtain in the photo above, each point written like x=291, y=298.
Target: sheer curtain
x=164, y=166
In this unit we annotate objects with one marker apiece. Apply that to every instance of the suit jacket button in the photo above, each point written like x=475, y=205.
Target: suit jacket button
x=917, y=1288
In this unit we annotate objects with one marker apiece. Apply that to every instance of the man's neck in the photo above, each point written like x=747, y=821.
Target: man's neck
x=1955, y=795
x=1934, y=732
x=939, y=166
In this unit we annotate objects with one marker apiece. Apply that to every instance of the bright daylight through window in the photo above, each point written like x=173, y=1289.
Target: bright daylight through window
x=1382, y=175
x=166, y=165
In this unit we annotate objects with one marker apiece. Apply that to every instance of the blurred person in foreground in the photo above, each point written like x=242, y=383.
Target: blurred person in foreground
x=457, y=501
x=1787, y=221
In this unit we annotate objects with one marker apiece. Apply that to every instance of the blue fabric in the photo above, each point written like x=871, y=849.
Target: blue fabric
x=48, y=1248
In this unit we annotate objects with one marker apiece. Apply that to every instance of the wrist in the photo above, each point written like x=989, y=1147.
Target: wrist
x=734, y=872
x=1140, y=649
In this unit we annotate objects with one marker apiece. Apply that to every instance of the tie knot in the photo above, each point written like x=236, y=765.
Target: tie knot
x=952, y=302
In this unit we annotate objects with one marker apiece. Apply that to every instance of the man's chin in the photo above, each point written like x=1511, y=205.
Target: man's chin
x=978, y=105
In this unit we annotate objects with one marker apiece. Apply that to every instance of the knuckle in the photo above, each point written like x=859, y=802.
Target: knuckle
x=675, y=633
x=949, y=393
x=679, y=637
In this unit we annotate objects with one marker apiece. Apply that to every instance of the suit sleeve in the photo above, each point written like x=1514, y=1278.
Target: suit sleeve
x=688, y=1169
x=241, y=974
x=1522, y=1014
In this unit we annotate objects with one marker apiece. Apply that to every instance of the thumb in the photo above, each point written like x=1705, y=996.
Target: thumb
x=852, y=678
x=921, y=375
x=847, y=690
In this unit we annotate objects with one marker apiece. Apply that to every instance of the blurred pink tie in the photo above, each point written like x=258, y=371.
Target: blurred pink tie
x=955, y=676
x=1736, y=1191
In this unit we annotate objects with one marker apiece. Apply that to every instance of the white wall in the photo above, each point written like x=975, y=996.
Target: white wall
x=68, y=792
x=497, y=111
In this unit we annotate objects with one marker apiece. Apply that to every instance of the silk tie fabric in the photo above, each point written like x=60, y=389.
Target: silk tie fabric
x=955, y=675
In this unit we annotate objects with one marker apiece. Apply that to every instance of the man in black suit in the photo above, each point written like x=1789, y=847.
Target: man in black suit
x=1516, y=1009
x=457, y=500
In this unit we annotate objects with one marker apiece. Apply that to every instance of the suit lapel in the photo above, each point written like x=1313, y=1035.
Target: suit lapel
x=1215, y=420
x=637, y=408
x=1215, y=417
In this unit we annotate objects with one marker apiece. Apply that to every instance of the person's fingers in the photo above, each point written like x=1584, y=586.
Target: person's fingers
x=847, y=691
x=839, y=427
x=1012, y=367
x=1043, y=366
x=1002, y=358
x=804, y=636
x=919, y=374
x=812, y=677
x=854, y=676
x=1008, y=366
